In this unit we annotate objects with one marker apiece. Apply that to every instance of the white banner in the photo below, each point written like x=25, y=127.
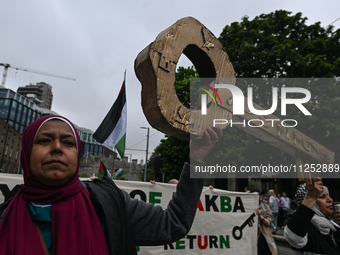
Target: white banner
x=225, y=222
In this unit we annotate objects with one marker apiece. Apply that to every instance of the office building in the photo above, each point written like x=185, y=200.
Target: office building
x=40, y=94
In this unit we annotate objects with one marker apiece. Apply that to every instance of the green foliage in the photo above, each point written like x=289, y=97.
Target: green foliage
x=153, y=169
x=182, y=84
x=173, y=152
x=280, y=44
x=251, y=185
x=84, y=175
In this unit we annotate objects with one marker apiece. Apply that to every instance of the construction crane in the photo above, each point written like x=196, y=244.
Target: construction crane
x=6, y=66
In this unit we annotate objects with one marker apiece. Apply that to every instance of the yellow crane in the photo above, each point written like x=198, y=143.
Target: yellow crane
x=6, y=66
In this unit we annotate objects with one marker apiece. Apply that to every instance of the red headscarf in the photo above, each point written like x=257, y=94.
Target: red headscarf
x=75, y=226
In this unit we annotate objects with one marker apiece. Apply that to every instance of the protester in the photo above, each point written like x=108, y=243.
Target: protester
x=55, y=213
x=285, y=201
x=274, y=207
x=280, y=218
x=265, y=241
x=247, y=190
x=265, y=198
x=310, y=230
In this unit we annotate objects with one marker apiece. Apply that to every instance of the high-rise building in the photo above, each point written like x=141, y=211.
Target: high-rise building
x=40, y=94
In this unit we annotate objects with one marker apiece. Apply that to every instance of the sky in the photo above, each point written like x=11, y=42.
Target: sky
x=96, y=41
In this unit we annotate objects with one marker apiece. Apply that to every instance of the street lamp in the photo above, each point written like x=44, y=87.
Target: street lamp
x=146, y=152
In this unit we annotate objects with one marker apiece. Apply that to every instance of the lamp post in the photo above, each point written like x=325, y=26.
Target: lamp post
x=146, y=152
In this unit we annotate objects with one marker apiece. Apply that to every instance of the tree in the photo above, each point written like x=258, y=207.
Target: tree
x=280, y=44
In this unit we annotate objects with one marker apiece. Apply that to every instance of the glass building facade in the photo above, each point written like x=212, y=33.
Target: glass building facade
x=17, y=110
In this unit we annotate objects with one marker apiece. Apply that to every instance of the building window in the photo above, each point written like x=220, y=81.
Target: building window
x=4, y=108
x=3, y=93
x=86, y=151
x=11, y=94
x=29, y=117
x=13, y=110
x=16, y=155
x=10, y=153
x=24, y=116
x=6, y=150
x=19, y=113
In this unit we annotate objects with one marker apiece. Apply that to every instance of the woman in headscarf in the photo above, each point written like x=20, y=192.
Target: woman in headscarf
x=265, y=241
x=310, y=230
x=55, y=213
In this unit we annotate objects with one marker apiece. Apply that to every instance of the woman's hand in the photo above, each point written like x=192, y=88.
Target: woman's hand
x=262, y=219
x=199, y=148
x=313, y=194
x=258, y=211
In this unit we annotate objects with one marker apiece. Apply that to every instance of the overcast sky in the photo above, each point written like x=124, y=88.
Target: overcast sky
x=95, y=41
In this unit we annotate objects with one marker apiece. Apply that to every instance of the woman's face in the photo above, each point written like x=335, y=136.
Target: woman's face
x=54, y=155
x=325, y=204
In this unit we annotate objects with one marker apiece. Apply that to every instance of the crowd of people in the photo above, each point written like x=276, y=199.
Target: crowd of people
x=280, y=206
x=313, y=228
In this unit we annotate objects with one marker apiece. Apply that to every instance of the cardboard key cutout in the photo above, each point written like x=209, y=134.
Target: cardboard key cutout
x=155, y=68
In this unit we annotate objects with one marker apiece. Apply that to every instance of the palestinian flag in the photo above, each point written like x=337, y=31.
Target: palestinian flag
x=112, y=131
x=119, y=172
x=103, y=170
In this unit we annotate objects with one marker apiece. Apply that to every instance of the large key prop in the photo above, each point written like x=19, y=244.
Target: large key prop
x=155, y=67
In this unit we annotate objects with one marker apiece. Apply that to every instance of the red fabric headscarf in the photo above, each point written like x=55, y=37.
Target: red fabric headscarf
x=75, y=226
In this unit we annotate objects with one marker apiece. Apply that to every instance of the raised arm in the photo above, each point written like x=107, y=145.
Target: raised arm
x=151, y=225
x=296, y=230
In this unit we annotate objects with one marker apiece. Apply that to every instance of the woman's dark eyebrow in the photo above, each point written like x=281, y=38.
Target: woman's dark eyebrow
x=51, y=135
